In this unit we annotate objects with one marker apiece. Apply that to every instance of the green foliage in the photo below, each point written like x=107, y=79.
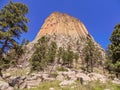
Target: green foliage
x=44, y=54
x=12, y=25
x=46, y=85
x=67, y=56
x=70, y=56
x=17, y=72
x=76, y=56
x=88, y=86
x=60, y=53
x=92, y=55
x=61, y=68
x=114, y=50
x=109, y=65
x=52, y=52
x=39, y=58
x=11, y=58
x=53, y=74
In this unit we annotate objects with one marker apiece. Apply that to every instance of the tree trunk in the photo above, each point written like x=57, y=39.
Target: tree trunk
x=1, y=72
x=87, y=67
x=91, y=66
x=52, y=67
x=116, y=75
x=1, y=54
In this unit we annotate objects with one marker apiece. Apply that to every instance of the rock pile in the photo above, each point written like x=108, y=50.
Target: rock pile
x=65, y=77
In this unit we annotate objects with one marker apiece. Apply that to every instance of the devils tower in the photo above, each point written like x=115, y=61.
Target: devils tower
x=66, y=31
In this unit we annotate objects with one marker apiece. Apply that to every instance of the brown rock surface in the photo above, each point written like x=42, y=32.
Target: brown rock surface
x=59, y=23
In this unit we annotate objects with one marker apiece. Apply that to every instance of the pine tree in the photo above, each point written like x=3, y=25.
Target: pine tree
x=114, y=49
x=88, y=49
x=91, y=55
x=76, y=56
x=64, y=57
x=59, y=54
x=52, y=52
x=39, y=58
x=12, y=25
x=68, y=56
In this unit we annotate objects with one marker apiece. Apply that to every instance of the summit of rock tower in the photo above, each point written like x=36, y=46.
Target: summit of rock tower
x=63, y=24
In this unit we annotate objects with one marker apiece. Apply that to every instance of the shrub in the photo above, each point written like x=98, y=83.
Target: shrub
x=61, y=69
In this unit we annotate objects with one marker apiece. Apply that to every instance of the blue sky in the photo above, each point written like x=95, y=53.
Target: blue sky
x=99, y=16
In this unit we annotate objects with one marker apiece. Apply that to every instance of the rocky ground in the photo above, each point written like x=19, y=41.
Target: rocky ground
x=25, y=80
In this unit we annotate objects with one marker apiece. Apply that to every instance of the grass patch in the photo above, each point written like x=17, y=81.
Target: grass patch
x=18, y=72
x=88, y=86
x=61, y=69
x=46, y=85
x=100, y=86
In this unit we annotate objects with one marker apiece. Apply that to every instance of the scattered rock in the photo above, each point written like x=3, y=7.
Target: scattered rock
x=116, y=81
x=51, y=88
x=5, y=86
x=84, y=76
x=107, y=89
x=6, y=75
x=67, y=82
x=60, y=77
x=23, y=85
x=49, y=79
x=10, y=88
x=32, y=78
x=66, y=77
x=0, y=78
x=45, y=76
x=33, y=83
x=96, y=76
x=71, y=75
x=14, y=81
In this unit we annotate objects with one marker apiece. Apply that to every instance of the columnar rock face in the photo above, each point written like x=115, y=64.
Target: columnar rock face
x=63, y=24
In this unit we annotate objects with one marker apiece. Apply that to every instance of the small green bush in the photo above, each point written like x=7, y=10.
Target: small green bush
x=53, y=74
x=61, y=69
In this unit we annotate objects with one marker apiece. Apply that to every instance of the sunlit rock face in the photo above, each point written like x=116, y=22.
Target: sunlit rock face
x=63, y=24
